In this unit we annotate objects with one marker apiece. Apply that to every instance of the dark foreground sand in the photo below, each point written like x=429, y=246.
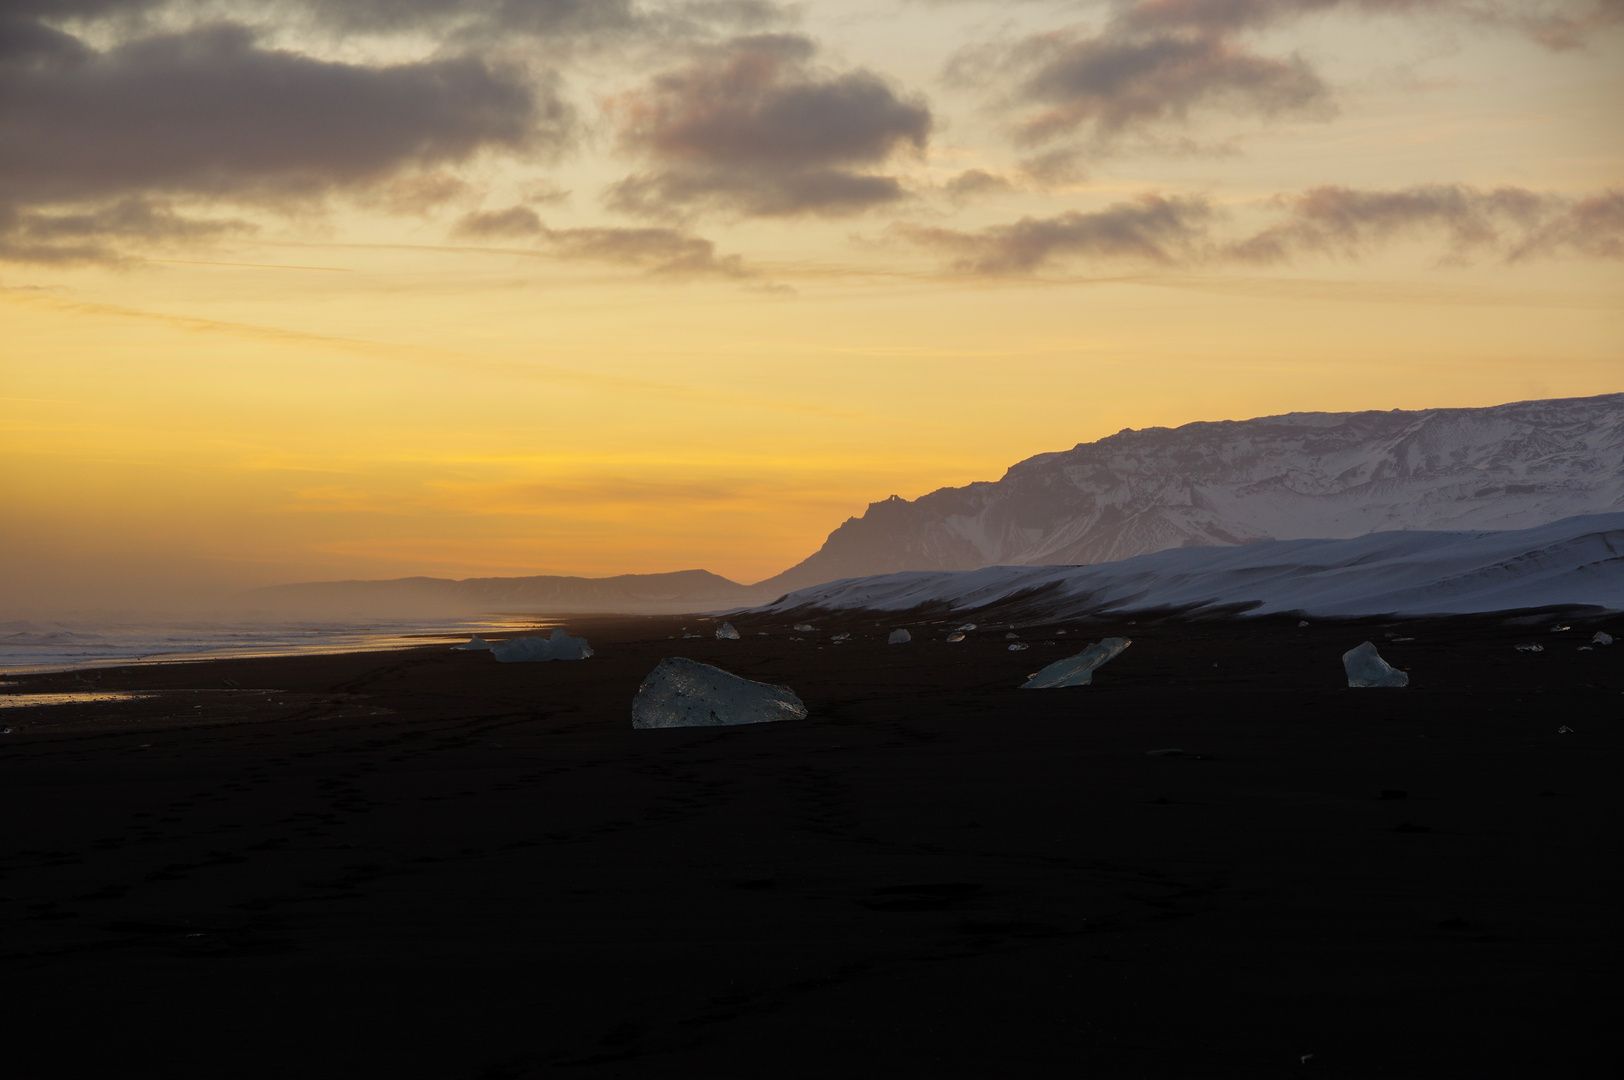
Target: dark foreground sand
x=428, y=864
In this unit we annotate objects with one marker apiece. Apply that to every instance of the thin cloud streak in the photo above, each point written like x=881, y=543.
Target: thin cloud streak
x=1511, y=224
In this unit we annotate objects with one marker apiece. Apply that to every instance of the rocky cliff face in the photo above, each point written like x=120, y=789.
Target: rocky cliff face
x=1297, y=476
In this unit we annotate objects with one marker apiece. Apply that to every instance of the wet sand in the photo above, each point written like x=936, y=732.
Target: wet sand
x=427, y=864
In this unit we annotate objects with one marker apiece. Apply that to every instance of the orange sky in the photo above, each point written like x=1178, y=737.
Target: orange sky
x=290, y=378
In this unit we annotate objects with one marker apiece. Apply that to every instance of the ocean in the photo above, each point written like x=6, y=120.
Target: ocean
x=45, y=645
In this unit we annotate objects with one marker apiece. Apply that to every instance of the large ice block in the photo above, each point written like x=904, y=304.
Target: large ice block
x=685, y=693
x=1077, y=670
x=1365, y=667
x=560, y=646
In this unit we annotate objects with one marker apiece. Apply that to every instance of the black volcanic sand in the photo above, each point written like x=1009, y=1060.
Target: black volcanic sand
x=428, y=864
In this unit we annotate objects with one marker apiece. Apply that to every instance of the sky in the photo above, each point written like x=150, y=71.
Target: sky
x=294, y=290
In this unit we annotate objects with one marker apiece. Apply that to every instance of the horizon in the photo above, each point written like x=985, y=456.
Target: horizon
x=312, y=292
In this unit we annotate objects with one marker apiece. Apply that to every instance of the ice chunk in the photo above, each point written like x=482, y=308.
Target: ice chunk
x=560, y=646
x=1019, y=646
x=967, y=627
x=1602, y=638
x=1011, y=636
x=805, y=628
x=1077, y=670
x=685, y=693
x=1529, y=646
x=898, y=637
x=473, y=644
x=1365, y=667
x=955, y=636
x=726, y=632
x=838, y=638
x=1301, y=623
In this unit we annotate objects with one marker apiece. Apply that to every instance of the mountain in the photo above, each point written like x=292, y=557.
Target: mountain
x=684, y=590
x=1577, y=561
x=1300, y=475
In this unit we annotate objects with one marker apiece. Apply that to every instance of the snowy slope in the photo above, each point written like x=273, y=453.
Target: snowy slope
x=1578, y=560
x=1279, y=477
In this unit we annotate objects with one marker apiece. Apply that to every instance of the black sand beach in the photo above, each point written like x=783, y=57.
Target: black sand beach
x=428, y=864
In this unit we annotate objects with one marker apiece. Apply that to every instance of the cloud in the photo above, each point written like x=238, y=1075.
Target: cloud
x=27, y=236
x=660, y=251
x=972, y=183
x=211, y=115
x=1158, y=64
x=1513, y=224
x=1105, y=86
x=751, y=127
x=1150, y=229
x=1556, y=24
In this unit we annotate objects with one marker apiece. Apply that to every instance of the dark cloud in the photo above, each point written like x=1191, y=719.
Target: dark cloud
x=1155, y=64
x=212, y=115
x=753, y=128
x=1557, y=24
x=972, y=183
x=664, y=252
x=1151, y=229
x=1513, y=224
x=1101, y=87
x=1462, y=222
x=89, y=236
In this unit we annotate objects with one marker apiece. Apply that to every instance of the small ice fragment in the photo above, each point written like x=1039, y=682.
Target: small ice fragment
x=805, y=628
x=898, y=637
x=1301, y=623
x=1061, y=633
x=1077, y=670
x=1559, y=627
x=1019, y=646
x=838, y=638
x=955, y=636
x=685, y=693
x=726, y=632
x=1586, y=648
x=1564, y=730
x=1365, y=667
x=1011, y=636
x=473, y=644
x=1602, y=638
x=560, y=646
x=967, y=627
x=1530, y=646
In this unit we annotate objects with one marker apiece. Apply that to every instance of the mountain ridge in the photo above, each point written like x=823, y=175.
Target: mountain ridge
x=1225, y=482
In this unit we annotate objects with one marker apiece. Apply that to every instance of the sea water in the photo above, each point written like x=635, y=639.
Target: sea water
x=40, y=645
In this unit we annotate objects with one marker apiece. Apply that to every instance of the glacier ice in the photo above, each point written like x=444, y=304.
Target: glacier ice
x=898, y=637
x=1077, y=670
x=685, y=693
x=1602, y=638
x=1365, y=667
x=560, y=646
x=473, y=644
x=726, y=632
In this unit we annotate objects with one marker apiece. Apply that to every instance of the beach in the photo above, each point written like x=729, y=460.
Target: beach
x=424, y=863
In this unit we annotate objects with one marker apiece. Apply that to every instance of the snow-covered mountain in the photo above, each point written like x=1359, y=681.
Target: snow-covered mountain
x=1577, y=561
x=1285, y=477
